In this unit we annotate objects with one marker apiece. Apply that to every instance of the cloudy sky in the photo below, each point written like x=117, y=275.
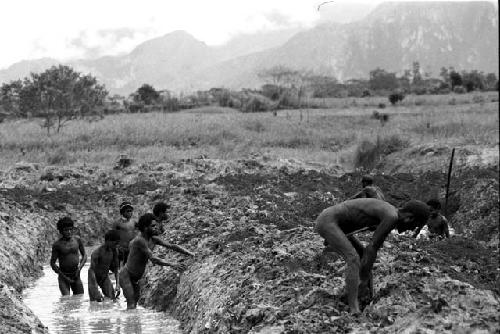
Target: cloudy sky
x=69, y=29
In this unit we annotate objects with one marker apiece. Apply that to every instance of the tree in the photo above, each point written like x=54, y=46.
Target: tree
x=9, y=96
x=491, y=81
x=146, y=94
x=59, y=95
x=417, y=76
x=455, y=79
x=380, y=79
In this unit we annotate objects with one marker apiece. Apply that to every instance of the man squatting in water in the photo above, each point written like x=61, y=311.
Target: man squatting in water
x=103, y=260
x=140, y=252
x=65, y=251
x=338, y=223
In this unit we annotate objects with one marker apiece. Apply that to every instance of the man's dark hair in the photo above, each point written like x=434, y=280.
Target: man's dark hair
x=112, y=235
x=144, y=221
x=125, y=205
x=434, y=203
x=64, y=222
x=418, y=209
x=367, y=179
x=159, y=208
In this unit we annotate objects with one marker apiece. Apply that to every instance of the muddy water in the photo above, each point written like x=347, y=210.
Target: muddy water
x=77, y=315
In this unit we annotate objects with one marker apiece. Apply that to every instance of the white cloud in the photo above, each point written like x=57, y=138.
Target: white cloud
x=65, y=29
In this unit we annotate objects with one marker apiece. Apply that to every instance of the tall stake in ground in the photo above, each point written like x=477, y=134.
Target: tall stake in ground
x=448, y=183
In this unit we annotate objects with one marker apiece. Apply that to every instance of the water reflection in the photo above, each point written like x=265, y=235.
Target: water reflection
x=77, y=315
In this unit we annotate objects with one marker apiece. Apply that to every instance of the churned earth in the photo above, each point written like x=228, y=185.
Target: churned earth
x=259, y=266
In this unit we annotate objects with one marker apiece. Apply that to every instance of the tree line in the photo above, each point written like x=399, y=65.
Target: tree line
x=60, y=94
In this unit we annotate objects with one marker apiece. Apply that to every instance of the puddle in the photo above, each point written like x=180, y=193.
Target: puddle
x=77, y=315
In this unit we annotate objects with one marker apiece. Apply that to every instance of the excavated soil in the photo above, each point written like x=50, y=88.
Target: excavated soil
x=259, y=267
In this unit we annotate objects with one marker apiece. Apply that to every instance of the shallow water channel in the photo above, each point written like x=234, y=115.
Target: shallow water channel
x=77, y=315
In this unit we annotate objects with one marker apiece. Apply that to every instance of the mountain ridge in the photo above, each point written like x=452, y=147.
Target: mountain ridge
x=393, y=35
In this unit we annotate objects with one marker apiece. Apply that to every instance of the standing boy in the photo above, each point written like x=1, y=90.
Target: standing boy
x=140, y=253
x=65, y=251
x=103, y=260
x=126, y=229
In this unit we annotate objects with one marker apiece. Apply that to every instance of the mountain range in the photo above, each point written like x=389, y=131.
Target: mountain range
x=392, y=36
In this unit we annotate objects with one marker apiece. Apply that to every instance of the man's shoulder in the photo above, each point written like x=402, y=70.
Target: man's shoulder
x=56, y=244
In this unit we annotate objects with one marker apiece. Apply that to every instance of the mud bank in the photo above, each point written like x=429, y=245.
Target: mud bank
x=258, y=267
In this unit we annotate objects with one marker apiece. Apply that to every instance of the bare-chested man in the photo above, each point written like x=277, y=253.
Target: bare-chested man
x=437, y=223
x=369, y=189
x=103, y=260
x=126, y=228
x=338, y=224
x=140, y=253
x=66, y=251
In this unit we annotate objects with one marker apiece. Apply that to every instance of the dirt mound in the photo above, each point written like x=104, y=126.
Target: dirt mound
x=259, y=266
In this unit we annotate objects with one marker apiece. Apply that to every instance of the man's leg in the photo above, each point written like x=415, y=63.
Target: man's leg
x=137, y=291
x=77, y=286
x=365, y=287
x=338, y=242
x=107, y=288
x=128, y=288
x=64, y=286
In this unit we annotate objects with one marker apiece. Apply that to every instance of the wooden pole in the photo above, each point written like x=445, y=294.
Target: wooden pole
x=448, y=183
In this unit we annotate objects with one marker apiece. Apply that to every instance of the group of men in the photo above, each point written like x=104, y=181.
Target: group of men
x=126, y=251
x=128, y=245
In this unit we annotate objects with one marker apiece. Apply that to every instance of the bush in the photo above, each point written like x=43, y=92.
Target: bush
x=478, y=99
x=381, y=105
x=368, y=155
x=256, y=104
x=395, y=98
x=459, y=90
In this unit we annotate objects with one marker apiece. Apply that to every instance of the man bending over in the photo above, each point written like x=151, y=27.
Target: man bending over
x=140, y=252
x=338, y=224
x=103, y=260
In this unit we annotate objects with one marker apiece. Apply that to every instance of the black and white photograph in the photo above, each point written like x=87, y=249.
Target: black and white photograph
x=261, y=167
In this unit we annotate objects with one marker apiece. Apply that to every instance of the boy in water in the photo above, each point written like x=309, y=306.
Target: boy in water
x=338, y=224
x=437, y=223
x=140, y=253
x=103, y=260
x=65, y=251
x=126, y=229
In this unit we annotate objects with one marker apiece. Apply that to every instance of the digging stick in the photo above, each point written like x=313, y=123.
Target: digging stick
x=448, y=183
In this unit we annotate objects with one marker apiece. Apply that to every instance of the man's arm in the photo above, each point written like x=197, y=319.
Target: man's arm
x=94, y=293
x=116, y=267
x=53, y=258
x=370, y=251
x=84, y=255
x=417, y=231
x=359, y=194
x=156, y=260
x=176, y=248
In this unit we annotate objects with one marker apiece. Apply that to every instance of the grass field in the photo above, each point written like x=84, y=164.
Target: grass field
x=322, y=135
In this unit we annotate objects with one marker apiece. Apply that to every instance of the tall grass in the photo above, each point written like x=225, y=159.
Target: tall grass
x=324, y=135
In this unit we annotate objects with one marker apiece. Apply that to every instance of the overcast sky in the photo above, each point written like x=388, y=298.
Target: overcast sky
x=69, y=29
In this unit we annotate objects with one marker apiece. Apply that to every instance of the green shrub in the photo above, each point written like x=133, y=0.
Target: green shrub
x=369, y=154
